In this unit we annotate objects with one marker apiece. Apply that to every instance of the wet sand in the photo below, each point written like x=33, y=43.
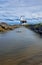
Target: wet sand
x=20, y=47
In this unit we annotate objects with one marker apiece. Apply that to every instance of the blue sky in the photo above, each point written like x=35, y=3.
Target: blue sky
x=28, y=8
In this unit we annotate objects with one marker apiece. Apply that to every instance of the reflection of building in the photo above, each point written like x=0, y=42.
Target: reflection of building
x=22, y=19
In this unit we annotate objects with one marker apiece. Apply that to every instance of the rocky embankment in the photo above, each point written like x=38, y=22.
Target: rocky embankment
x=6, y=27
x=36, y=28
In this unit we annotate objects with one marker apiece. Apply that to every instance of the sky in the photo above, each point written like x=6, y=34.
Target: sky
x=28, y=8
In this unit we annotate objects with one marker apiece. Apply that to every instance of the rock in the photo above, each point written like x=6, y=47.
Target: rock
x=6, y=27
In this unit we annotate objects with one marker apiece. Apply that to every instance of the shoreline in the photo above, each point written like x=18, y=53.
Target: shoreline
x=4, y=27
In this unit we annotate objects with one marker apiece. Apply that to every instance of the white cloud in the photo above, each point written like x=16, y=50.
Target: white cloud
x=28, y=8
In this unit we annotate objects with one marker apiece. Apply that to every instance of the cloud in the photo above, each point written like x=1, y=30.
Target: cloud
x=29, y=8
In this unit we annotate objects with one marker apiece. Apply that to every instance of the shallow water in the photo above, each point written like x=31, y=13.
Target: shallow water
x=20, y=47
